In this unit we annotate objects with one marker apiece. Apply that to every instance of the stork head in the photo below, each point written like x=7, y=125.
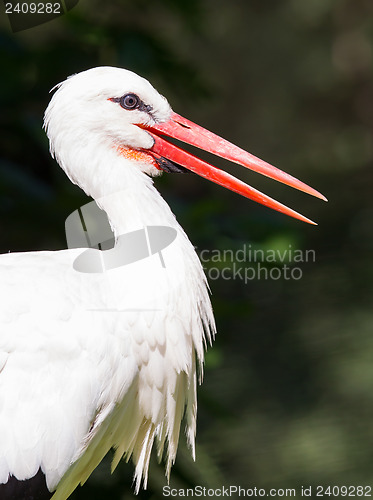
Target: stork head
x=122, y=113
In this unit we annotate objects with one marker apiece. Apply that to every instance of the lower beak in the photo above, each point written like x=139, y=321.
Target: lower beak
x=184, y=130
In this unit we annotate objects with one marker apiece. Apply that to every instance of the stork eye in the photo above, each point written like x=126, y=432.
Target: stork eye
x=130, y=101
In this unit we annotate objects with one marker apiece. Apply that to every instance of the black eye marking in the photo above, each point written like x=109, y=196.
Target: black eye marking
x=132, y=101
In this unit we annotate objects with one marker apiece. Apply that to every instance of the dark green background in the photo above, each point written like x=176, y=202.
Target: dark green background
x=288, y=392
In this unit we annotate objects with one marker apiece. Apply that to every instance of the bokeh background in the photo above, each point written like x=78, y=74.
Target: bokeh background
x=288, y=393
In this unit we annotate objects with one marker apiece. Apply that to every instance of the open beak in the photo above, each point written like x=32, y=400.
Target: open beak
x=184, y=130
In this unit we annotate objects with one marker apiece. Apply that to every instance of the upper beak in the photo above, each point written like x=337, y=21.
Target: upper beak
x=187, y=131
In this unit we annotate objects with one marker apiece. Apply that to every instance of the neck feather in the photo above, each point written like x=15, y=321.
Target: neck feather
x=119, y=186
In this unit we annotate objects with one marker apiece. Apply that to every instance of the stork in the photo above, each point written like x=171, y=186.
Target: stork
x=91, y=361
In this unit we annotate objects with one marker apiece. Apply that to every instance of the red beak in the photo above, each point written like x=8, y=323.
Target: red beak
x=184, y=130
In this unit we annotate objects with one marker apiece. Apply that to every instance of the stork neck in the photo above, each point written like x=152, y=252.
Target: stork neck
x=130, y=209
x=118, y=185
x=131, y=200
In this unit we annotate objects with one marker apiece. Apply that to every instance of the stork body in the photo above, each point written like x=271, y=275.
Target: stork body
x=93, y=361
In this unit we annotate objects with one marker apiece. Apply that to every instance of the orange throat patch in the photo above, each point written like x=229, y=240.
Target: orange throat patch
x=136, y=155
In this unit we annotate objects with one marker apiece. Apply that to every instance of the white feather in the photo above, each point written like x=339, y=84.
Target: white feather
x=83, y=368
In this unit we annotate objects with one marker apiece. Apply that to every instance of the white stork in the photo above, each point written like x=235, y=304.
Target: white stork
x=94, y=361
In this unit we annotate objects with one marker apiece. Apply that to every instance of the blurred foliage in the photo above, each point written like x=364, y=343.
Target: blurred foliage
x=288, y=392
